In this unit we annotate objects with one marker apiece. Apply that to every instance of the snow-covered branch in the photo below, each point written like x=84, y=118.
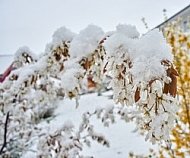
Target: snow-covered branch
x=140, y=70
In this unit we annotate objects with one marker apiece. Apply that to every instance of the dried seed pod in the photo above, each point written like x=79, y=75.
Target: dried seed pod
x=166, y=88
x=174, y=71
x=137, y=95
x=172, y=87
x=61, y=68
x=84, y=63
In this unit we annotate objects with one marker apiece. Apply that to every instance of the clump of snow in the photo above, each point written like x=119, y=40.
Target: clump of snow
x=62, y=34
x=150, y=50
x=160, y=121
x=127, y=30
x=68, y=125
x=145, y=69
x=145, y=53
x=24, y=55
x=71, y=75
x=69, y=81
x=86, y=41
x=24, y=49
x=122, y=40
x=152, y=44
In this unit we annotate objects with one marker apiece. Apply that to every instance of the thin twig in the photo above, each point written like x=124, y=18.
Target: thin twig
x=5, y=134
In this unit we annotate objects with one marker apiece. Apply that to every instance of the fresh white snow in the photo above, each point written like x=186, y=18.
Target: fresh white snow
x=121, y=135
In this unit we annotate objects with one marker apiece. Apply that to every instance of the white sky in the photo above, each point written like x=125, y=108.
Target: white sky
x=32, y=22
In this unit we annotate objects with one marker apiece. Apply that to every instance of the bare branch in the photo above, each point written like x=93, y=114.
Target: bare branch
x=5, y=134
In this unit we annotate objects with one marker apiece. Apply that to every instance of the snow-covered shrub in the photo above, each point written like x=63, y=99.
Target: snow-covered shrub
x=141, y=75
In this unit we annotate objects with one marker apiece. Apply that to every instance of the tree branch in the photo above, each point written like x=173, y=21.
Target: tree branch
x=5, y=134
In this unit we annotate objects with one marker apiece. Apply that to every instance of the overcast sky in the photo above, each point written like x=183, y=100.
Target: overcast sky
x=32, y=22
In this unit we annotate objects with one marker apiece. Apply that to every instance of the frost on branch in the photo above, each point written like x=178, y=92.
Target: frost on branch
x=140, y=70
